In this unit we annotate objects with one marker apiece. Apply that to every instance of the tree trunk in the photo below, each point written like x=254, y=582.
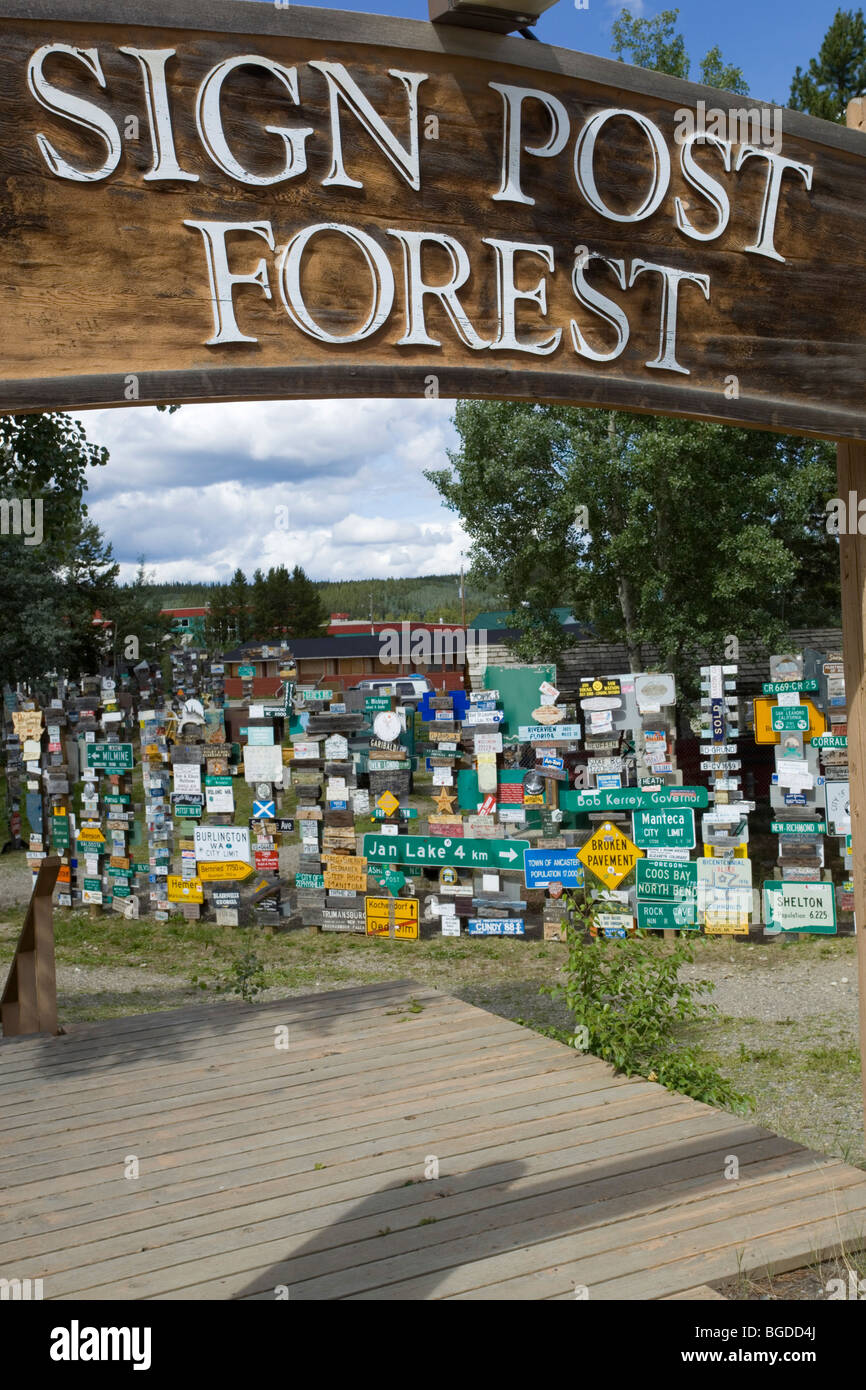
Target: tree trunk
x=632, y=645
x=623, y=588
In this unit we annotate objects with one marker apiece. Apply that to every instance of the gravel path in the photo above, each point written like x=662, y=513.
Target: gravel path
x=756, y=984
x=16, y=881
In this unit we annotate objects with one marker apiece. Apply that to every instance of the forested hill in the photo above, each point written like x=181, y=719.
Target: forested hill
x=427, y=598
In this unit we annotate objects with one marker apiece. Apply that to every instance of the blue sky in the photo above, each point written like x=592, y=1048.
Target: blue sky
x=207, y=489
x=766, y=38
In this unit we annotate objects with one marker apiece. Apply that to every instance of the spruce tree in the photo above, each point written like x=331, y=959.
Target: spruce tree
x=239, y=605
x=837, y=74
x=306, y=615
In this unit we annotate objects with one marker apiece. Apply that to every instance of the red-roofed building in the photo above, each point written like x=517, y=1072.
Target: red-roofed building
x=182, y=620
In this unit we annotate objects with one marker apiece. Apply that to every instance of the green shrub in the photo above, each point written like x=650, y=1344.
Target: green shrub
x=628, y=1004
x=246, y=977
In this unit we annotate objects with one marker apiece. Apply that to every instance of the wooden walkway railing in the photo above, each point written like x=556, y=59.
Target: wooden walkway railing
x=29, y=1000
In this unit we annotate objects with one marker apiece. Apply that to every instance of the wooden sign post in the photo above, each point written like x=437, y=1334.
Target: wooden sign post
x=29, y=1000
x=851, y=471
x=850, y=477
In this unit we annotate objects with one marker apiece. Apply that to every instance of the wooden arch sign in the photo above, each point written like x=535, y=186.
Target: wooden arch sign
x=206, y=200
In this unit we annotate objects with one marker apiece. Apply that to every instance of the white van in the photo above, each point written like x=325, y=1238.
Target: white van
x=409, y=690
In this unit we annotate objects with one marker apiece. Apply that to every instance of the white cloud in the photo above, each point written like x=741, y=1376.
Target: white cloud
x=368, y=530
x=335, y=486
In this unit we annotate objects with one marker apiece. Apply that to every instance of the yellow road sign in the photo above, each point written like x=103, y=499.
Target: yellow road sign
x=405, y=917
x=96, y=836
x=609, y=854
x=388, y=803
x=184, y=890
x=211, y=870
x=764, y=731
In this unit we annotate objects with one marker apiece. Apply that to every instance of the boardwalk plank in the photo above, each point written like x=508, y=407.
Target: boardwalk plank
x=553, y=1172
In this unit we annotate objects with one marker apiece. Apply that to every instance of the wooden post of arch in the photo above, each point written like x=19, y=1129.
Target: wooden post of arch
x=851, y=477
x=29, y=999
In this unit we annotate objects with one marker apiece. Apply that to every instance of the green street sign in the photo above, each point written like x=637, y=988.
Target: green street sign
x=373, y=703
x=218, y=781
x=790, y=718
x=830, y=741
x=437, y=850
x=783, y=687
x=378, y=871
x=393, y=880
x=113, y=757
x=117, y=800
x=665, y=878
x=309, y=880
x=666, y=881
x=667, y=916
x=246, y=672
x=800, y=907
x=321, y=695
x=667, y=895
x=188, y=812
x=672, y=828
x=120, y=891
x=634, y=798
x=798, y=827
x=92, y=885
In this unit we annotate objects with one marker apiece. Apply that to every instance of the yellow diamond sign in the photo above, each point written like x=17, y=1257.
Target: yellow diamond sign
x=388, y=803
x=609, y=854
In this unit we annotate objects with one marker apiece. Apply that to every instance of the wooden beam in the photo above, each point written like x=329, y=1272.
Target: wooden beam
x=851, y=470
x=139, y=328
x=850, y=473
x=346, y=26
x=29, y=1000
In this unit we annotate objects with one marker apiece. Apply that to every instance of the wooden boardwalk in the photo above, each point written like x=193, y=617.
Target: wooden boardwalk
x=303, y=1168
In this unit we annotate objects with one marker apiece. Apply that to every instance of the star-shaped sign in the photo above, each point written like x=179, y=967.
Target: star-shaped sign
x=445, y=801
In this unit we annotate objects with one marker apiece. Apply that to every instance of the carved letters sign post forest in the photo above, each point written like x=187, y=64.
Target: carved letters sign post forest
x=207, y=201
x=223, y=200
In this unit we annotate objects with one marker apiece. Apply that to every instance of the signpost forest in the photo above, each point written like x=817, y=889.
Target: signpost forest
x=230, y=201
